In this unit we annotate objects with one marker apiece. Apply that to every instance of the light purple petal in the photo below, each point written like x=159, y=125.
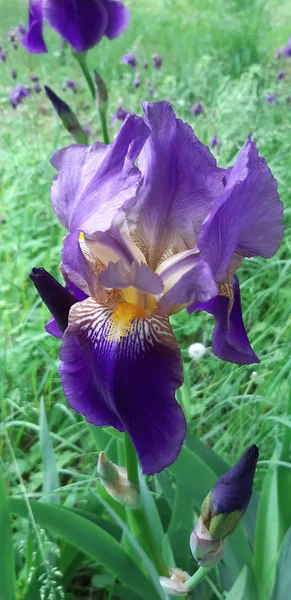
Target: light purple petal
x=118, y=18
x=180, y=180
x=246, y=219
x=52, y=328
x=33, y=39
x=229, y=340
x=76, y=269
x=81, y=22
x=128, y=384
x=196, y=285
x=94, y=183
x=138, y=275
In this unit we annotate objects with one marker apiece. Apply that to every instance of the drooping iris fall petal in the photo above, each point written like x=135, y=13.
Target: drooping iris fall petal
x=118, y=18
x=129, y=384
x=33, y=39
x=229, y=339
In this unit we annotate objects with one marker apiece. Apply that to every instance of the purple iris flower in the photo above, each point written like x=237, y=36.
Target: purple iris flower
x=281, y=75
x=129, y=59
x=119, y=115
x=17, y=95
x=82, y=23
x=197, y=109
x=287, y=50
x=271, y=99
x=153, y=226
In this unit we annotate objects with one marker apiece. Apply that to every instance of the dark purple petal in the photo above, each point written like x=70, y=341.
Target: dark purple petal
x=233, y=490
x=57, y=299
x=196, y=285
x=33, y=40
x=82, y=22
x=118, y=18
x=95, y=182
x=180, y=180
x=129, y=59
x=51, y=326
x=138, y=275
x=246, y=219
x=229, y=339
x=128, y=384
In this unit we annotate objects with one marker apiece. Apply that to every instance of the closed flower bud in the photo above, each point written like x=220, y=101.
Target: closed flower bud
x=223, y=508
x=175, y=585
x=101, y=92
x=114, y=479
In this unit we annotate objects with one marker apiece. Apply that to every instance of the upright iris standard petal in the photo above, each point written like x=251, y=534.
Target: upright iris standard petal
x=129, y=382
x=81, y=22
x=118, y=18
x=246, y=219
x=180, y=180
x=109, y=170
x=196, y=285
x=33, y=39
x=229, y=340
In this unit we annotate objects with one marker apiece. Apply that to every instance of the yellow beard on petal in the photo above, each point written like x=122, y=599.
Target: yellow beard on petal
x=121, y=320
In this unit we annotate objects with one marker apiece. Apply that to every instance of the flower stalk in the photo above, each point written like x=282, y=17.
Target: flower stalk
x=81, y=58
x=137, y=518
x=200, y=574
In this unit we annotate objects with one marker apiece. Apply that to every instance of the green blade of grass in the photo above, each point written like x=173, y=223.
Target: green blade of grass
x=7, y=560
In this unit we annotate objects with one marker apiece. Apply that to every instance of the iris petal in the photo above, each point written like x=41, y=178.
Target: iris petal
x=229, y=339
x=33, y=39
x=118, y=19
x=81, y=22
x=139, y=276
x=196, y=285
x=128, y=384
x=246, y=219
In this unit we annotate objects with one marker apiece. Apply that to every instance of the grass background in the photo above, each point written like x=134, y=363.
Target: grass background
x=217, y=52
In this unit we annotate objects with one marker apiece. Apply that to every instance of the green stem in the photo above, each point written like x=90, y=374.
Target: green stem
x=131, y=460
x=197, y=577
x=137, y=517
x=81, y=58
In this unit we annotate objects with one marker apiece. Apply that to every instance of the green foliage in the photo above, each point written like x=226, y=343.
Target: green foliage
x=221, y=53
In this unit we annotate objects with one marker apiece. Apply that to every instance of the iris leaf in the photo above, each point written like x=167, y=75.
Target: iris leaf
x=90, y=540
x=283, y=581
x=51, y=480
x=268, y=531
x=7, y=560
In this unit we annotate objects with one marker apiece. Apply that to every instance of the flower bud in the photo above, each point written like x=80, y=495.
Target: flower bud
x=101, y=92
x=116, y=483
x=175, y=585
x=67, y=116
x=223, y=508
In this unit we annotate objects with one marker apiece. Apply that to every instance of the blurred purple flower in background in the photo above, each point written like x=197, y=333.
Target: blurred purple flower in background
x=136, y=82
x=11, y=36
x=17, y=95
x=119, y=115
x=3, y=55
x=153, y=227
x=37, y=88
x=21, y=29
x=215, y=142
x=129, y=59
x=70, y=84
x=197, y=109
x=34, y=77
x=145, y=64
x=271, y=99
x=80, y=23
x=281, y=75
x=157, y=61
x=13, y=73
x=287, y=50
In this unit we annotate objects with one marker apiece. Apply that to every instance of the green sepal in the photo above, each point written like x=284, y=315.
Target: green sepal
x=223, y=525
